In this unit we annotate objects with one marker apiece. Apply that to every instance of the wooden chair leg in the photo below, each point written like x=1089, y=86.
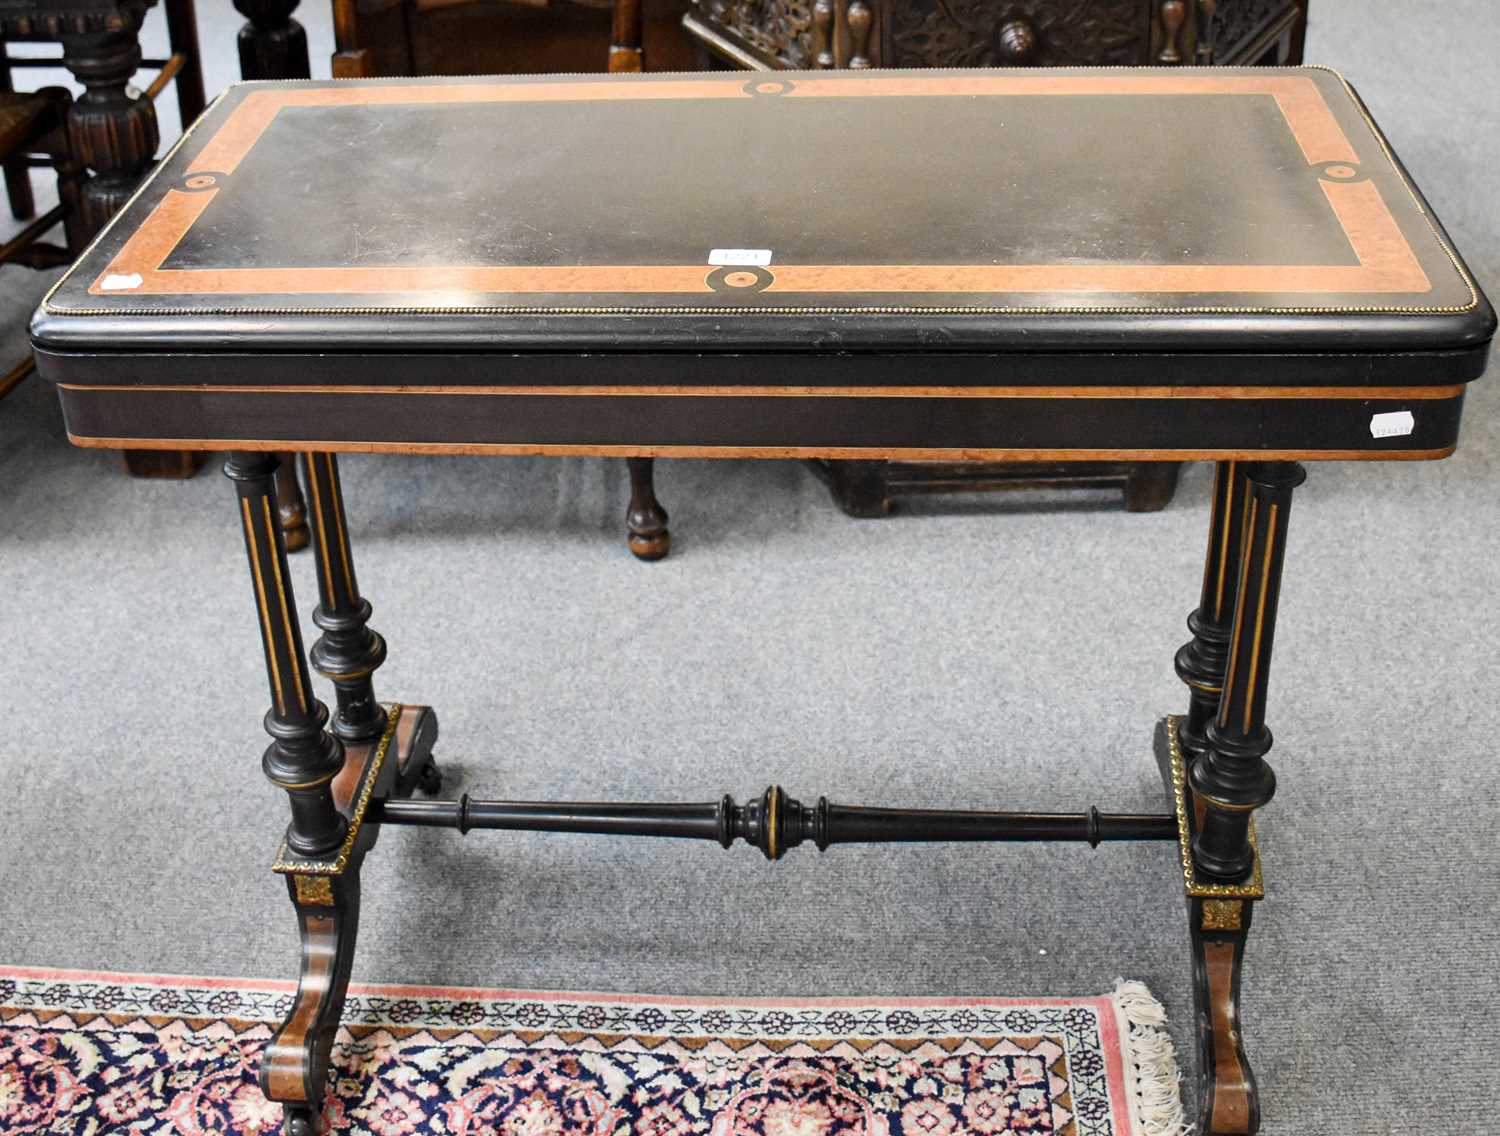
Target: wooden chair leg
x=858, y=487
x=291, y=506
x=165, y=464
x=182, y=35
x=17, y=173
x=625, y=52
x=645, y=519
x=1149, y=486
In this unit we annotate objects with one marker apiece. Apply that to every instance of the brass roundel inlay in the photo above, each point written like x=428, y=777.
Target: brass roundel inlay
x=741, y=279
x=199, y=181
x=1341, y=171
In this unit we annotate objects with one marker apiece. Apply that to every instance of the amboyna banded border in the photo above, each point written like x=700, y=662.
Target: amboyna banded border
x=1387, y=264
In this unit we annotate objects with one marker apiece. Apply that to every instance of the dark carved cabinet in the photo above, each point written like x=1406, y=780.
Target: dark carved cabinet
x=812, y=34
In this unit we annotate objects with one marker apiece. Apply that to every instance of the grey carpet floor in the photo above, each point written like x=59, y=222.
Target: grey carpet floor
x=1013, y=651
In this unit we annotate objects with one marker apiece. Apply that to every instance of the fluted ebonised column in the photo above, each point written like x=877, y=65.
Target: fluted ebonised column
x=303, y=757
x=1202, y=660
x=348, y=652
x=1231, y=777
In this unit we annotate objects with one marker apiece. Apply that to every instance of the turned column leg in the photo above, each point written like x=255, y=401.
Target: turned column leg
x=1231, y=778
x=272, y=44
x=303, y=759
x=645, y=519
x=1201, y=661
x=349, y=651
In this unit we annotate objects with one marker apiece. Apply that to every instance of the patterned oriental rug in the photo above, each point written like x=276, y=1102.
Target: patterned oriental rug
x=88, y=1053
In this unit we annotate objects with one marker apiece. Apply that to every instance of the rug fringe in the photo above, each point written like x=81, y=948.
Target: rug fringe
x=1155, y=1081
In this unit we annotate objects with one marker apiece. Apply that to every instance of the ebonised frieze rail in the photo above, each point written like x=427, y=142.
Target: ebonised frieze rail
x=775, y=822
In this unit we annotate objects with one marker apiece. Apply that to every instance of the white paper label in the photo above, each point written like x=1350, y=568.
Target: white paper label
x=114, y=282
x=761, y=257
x=1392, y=424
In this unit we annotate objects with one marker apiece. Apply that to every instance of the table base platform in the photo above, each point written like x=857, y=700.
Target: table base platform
x=378, y=776
x=350, y=772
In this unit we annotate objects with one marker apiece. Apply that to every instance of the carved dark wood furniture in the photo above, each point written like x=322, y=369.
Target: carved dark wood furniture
x=111, y=126
x=857, y=34
x=33, y=129
x=1297, y=302
x=455, y=37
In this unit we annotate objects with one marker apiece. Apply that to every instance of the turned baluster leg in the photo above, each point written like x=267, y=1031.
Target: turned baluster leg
x=1230, y=780
x=1201, y=661
x=303, y=759
x=645, y=519
x=112, y=128
x=272, y=44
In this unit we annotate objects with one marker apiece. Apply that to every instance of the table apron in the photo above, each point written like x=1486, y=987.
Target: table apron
x=832, y=423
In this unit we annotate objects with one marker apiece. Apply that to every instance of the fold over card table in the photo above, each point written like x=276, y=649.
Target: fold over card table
x=646, y=266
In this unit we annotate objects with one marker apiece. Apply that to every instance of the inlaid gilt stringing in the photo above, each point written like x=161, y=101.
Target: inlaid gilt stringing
x=1254, y=887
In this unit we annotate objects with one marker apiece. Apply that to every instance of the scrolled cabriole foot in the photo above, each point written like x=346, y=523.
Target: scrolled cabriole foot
x=294, y=1072
x=1219, y=917
x=1228, y=1101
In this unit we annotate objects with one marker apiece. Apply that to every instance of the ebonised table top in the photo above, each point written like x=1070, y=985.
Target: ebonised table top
x=614, y=237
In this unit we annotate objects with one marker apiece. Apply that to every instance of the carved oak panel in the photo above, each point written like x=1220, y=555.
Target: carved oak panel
x=775, y=29
x=982, y=33
x=1236, y=21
